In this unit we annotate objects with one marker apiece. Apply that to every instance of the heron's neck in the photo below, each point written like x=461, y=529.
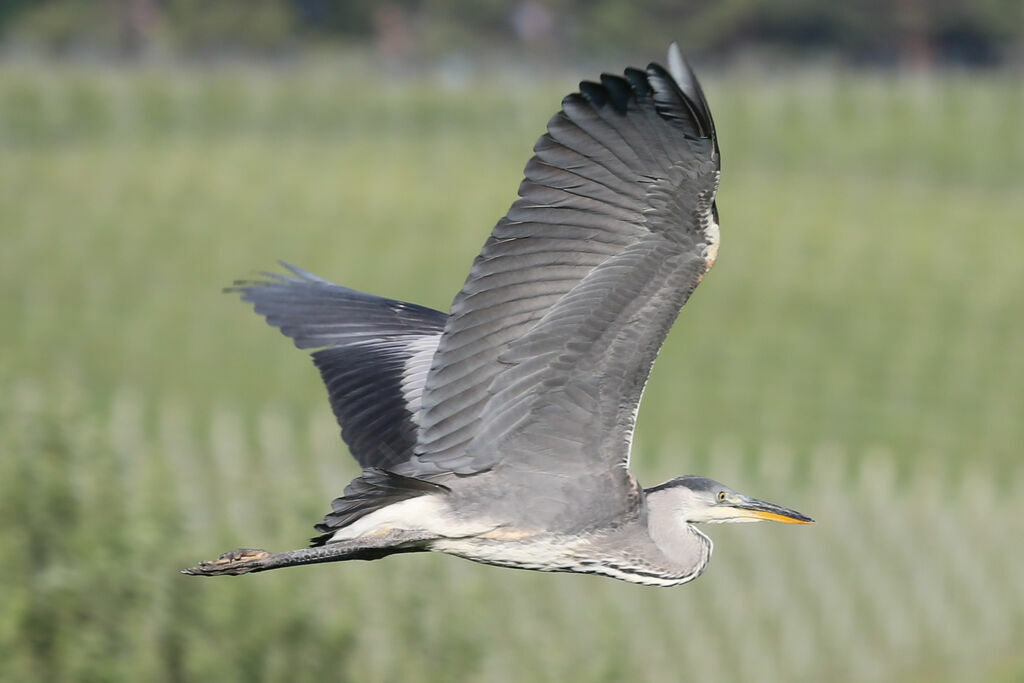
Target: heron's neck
x=681, y=543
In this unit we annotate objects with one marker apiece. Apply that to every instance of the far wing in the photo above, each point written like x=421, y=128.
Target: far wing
x=551, y=340
x=373, y=355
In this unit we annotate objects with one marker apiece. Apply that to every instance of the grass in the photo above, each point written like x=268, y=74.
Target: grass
x=863, y=325
x=867, y=292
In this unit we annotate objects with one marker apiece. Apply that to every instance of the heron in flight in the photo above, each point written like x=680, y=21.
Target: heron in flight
x=500, y=432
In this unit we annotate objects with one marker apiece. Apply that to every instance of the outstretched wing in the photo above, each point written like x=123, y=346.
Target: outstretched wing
x=551, y=339
x=373, y=355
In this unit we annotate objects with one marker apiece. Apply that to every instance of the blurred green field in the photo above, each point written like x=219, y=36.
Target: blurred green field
x=864, y=324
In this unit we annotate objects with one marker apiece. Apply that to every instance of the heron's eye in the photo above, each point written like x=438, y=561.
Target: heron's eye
x=721, y=496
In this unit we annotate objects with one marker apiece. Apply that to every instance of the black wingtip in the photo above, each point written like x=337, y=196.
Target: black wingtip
x=685, y=79
x=675, y=90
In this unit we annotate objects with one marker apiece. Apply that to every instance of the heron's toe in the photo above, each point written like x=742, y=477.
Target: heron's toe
x=240, y=561
x=237, y=556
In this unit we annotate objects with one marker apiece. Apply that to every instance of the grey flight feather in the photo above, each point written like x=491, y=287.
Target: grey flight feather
x=550, y=341
x=373, y=355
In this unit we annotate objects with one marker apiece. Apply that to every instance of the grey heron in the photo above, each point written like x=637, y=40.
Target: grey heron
x=501, y=432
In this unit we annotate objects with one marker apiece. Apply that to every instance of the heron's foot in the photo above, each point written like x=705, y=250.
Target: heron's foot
x=240, y=561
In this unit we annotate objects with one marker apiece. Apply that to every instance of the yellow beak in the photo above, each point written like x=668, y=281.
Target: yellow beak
x=760, y=509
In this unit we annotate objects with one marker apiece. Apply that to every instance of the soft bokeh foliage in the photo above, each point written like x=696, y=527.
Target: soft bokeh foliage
x=854, y=354
x=917, y=33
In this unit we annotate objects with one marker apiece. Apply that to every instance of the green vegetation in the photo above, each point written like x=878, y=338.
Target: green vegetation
x=863, y=327
x=922, y=32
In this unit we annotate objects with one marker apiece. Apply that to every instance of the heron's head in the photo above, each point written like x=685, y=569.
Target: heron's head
x=699, y=499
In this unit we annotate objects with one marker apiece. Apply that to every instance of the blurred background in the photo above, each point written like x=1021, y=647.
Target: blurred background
x=856, y=353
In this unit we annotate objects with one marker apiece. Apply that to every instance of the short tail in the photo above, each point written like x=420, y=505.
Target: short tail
x=374, y=490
